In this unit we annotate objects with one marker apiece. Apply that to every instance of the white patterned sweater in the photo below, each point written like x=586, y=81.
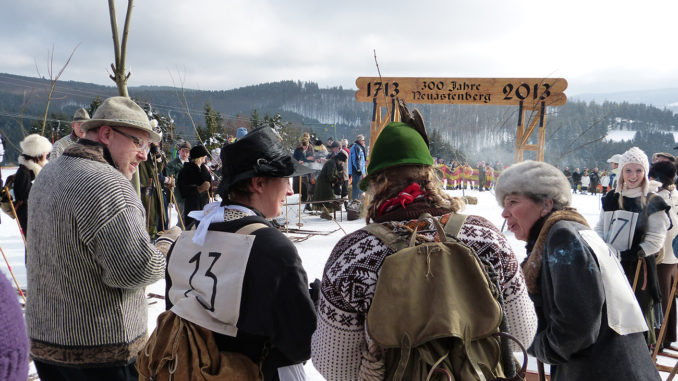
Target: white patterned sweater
x=341, y=349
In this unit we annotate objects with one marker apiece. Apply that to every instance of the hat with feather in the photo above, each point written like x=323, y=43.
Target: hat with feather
x=400, y=143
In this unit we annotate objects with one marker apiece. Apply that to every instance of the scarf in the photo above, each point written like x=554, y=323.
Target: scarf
x=405, y=197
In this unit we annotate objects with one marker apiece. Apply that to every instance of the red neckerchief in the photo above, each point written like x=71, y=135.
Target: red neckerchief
x=406, y=196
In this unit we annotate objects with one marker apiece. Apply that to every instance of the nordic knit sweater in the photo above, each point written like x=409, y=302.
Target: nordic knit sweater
x=13, y=341
x=88, y=261
x=341, y=349
x=61, y=144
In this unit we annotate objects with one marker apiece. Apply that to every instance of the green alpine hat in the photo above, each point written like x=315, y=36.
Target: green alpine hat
x=397, y=144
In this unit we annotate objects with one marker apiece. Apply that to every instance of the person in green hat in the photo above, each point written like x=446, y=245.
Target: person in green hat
x=401, y=184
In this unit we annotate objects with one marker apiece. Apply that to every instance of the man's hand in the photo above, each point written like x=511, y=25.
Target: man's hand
x=167, y=238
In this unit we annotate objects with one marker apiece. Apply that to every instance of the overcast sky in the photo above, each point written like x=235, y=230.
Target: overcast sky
x=597, y=45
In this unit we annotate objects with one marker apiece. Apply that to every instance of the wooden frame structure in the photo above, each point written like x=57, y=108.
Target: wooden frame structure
x=529, y=94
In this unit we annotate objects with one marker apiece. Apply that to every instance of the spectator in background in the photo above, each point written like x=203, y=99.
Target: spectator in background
x=356, y=167
x=585, y=181
x=576, y=180
x=663, y=173
x=173, y=168
x=80, y=117
x=595, y=181
x=194, y=183
x=614, y=173
x=34, y=151
x=605, y=181
x=240, y=133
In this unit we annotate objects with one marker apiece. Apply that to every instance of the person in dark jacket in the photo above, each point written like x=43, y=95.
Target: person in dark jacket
x=34, y=151
x=194, y=182
x=576, y=180
x=267, y=315
x=595, y=181
x=329, y=177
x=590, y=326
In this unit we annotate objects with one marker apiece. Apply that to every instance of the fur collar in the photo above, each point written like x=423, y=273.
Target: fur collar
x=91, y=150
x=532, y=264
x=31, y=165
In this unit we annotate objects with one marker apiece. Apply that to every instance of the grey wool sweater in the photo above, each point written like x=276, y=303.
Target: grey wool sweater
x=88, y=261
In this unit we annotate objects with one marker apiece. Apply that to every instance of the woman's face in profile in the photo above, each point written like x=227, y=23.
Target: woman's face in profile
x=521, y=212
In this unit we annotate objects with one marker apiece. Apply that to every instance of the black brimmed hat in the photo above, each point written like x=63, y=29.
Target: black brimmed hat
x=260, y=153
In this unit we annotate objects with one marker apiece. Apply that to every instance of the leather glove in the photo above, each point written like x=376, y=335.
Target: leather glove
x=632, y=254
x=169, y=181
x=314, y=290
x=167, y=238
x=204, y=187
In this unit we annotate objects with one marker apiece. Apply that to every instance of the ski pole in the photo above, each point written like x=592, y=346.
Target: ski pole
x=174, y=200
x=11, y=204
x=662, y=331
x=13, y=277
x=635, y=278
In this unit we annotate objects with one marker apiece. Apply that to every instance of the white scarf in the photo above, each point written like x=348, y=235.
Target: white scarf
x=213, y=213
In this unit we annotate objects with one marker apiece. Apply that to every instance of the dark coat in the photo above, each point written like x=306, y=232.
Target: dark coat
x=23, y=180
x=573, y=334
x=190, y=177
x=328, y=177
x=276, y=310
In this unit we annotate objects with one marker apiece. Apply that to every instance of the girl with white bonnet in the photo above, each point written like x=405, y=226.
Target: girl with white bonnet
x=34, y=151
x=634, y=221
x=589, y=324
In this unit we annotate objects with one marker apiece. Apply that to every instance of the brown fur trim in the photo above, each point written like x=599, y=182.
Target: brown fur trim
x=86, y=151
x=532, y=264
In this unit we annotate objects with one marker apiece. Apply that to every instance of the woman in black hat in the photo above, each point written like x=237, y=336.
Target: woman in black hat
x=267, y=315
x=194, y=182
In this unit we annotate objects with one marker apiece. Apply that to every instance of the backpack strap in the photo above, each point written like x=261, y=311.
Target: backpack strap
x=453, y=225
x=394, y=241
x=251, y=228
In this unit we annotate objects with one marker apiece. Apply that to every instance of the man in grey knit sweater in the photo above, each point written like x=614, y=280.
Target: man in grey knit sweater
x=90, y=257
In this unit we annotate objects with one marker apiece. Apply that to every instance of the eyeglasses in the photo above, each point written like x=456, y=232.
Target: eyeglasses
x=142, y=145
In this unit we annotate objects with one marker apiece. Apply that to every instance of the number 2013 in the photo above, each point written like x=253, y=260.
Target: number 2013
x=523, y=91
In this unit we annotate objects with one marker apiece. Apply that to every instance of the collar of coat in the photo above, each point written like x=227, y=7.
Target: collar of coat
x=532, y=264
x=91, y=150
x=30, y=165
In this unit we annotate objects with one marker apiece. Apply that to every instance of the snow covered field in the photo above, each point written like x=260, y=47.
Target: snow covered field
x=314, y=251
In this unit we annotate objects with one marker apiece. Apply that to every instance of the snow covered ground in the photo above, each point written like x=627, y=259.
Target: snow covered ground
x=314, y=251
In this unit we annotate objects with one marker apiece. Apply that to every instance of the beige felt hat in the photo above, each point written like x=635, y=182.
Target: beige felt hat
x=121, y=112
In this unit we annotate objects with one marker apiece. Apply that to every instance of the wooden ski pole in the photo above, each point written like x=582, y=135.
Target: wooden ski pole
x=635, y=278
x=662, y=331
x=13, y=277
x=11, y=204
x=540, y=371
x=174, y=200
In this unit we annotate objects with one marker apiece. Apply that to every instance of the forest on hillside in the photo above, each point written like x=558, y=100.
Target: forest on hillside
x=575, y=132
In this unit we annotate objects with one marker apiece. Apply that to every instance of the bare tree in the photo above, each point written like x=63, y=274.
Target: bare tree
x=52, y=79
x=119, y=76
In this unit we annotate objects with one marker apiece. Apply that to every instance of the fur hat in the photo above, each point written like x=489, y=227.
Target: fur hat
x=614, y=159
x=80, y=115
x=534, y=178
x=121, y=112
x=663, y=171
x=35, y=145
x=633, y=156
x=198, y=151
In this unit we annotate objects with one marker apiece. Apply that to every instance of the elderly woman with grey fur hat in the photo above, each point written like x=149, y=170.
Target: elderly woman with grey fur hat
x=590, y=326
x=634, y=221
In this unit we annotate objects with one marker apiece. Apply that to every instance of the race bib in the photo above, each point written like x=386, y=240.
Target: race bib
x=619, y=227
x=207, y=280
x=623, y=313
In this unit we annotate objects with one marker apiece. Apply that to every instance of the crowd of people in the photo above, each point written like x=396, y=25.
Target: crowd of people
x=238, y=301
